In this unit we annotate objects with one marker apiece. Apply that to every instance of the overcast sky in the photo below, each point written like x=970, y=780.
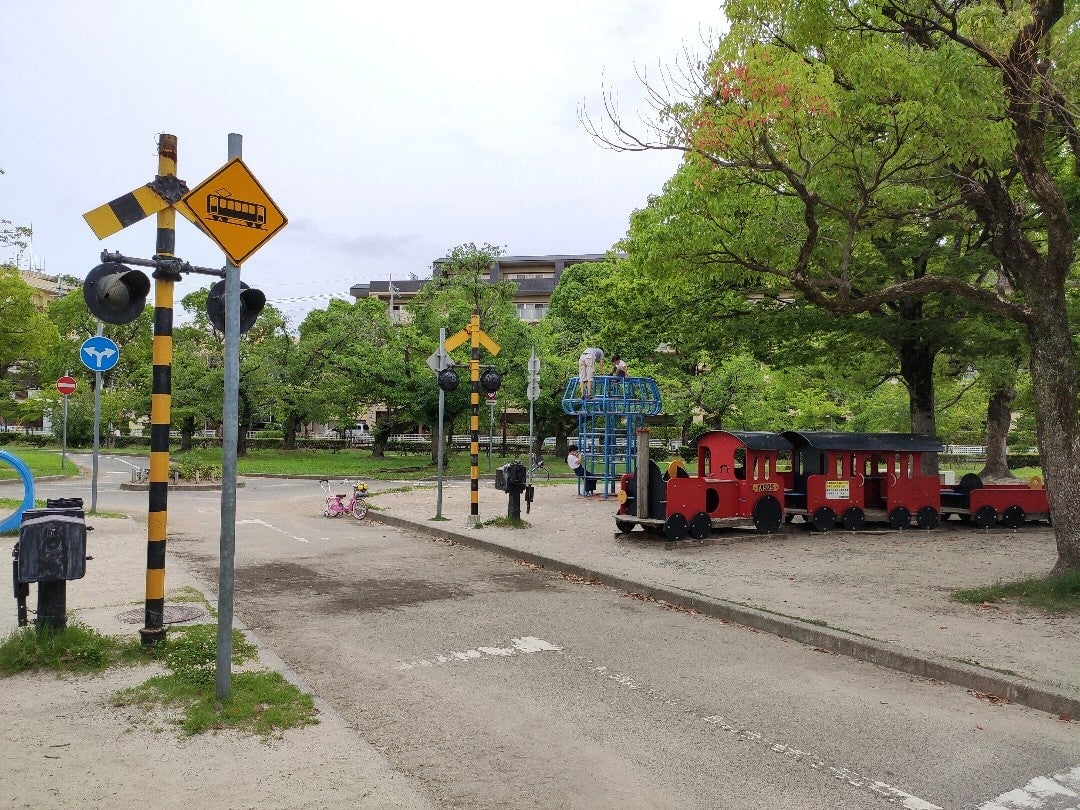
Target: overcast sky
x=387, y=133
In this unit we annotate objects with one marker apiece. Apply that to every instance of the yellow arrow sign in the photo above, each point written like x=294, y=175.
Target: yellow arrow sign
x=234, y=210
x=475, y=335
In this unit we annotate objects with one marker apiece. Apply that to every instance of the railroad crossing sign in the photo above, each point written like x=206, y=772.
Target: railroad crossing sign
x=127, y=209
x=234, y=210
x=476, y=336
x=99, y=353
x=66, y=385
x=438, y=360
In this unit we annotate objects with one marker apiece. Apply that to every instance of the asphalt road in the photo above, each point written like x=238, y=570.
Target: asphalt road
x=491, y=684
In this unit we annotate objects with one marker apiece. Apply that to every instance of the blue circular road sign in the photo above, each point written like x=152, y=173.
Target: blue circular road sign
x=99, y=353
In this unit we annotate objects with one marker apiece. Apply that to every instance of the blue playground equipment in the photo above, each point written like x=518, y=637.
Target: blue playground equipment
x=608, y=423
x=14, y=520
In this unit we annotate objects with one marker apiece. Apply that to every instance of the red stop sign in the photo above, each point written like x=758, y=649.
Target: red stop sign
x=66, y=385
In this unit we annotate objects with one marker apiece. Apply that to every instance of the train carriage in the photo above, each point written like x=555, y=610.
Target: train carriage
x=851, y=477
x=984, y=505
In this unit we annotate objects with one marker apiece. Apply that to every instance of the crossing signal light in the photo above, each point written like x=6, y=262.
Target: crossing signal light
x=252, y=302
x=448, y=379
x=115, y=293
x=490, y=380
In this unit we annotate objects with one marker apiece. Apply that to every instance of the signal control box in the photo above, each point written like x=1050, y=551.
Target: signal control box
x=52, y=544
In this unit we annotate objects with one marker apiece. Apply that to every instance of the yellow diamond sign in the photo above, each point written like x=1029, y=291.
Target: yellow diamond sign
x=234, y=210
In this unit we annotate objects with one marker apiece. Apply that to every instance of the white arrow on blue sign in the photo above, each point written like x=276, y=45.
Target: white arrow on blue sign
x=99, y=353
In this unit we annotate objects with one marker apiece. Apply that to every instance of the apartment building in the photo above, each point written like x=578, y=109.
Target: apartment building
x=535, y=276
x=45, y=287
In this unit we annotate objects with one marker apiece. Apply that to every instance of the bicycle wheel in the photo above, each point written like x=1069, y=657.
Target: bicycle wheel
x=359, y=509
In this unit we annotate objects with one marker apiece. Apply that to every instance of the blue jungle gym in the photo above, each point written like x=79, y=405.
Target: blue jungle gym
x=608, y=424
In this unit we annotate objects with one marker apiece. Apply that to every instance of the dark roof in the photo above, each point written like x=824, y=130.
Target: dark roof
x=895, y=442
x=760, y=439
x=574, y=258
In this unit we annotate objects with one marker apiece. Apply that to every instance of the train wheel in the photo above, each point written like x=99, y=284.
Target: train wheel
x=824, y=519
x=768, y=515
x=675, y=527
x=927, y=517
x=985, y=517
x=624, y=526
x=700, y=525
x=1013, y=516
x=853, y=519
x=900, y=517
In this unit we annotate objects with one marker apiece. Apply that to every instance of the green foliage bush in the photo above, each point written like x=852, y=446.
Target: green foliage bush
x=26, y=439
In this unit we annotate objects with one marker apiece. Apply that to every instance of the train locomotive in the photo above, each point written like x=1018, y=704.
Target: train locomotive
x=826, y=479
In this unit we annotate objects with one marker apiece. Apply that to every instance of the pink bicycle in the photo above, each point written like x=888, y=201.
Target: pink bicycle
x=336, y=504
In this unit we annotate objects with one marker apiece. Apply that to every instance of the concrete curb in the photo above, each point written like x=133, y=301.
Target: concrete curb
x=178, y=487
x=1013, y=688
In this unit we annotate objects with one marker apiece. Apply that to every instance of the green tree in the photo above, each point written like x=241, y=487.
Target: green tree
x=830, y=123
x=27, y=337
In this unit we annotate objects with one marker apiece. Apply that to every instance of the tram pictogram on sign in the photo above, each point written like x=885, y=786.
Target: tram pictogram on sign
x=234, y=210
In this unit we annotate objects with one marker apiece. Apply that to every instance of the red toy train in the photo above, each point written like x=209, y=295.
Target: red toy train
x=828, y=479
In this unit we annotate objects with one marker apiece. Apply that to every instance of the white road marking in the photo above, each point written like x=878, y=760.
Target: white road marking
x=257, y=522
x=890, y=793
x=1060, y=791
x=524, y=644
x=125, y=461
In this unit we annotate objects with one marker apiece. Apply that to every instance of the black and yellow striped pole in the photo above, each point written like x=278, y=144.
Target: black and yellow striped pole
x=160, y=407
x=474, y=433
x=477, y=338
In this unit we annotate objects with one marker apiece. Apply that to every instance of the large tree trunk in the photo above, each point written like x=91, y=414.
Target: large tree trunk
x=291, y=424
x=187, y=429
x=998, y=422
x=1053, y=378
x=917, y=369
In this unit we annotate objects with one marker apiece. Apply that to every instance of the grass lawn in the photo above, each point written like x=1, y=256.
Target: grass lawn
x=1060, y=594
x=347, y=463
x=40, y=461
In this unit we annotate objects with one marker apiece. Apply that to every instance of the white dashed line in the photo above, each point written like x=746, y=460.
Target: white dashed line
x=525, y=644
x=1060, y=791
x=257, y=522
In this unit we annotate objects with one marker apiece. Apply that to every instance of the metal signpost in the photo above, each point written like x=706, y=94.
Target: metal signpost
x=492, y=401
x=437, y=362
x=66, y=385
x=99, y=354
x=234, y=210
x=533, y=392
